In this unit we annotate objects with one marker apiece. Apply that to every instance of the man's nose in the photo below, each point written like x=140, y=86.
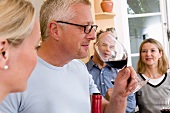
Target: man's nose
x=91, y=35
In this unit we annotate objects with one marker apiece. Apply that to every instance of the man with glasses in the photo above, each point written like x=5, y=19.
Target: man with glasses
x=104, y=75
x=87, y=28
x=60, y=83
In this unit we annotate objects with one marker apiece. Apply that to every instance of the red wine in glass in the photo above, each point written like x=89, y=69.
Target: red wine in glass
x=165, y=110
x=119, y=64
x=114, y=54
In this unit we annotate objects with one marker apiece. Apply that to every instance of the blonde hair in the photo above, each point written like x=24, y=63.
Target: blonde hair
x=59, y=10
x=163, y=64
x=17, y=19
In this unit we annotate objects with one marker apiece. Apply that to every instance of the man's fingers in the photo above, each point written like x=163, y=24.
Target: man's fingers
x=125, y=73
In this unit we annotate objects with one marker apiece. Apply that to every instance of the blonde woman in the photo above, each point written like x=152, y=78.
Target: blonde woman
x=19, y=37
x=153, y=65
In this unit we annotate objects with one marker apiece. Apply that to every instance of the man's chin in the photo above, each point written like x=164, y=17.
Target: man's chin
x=83, y=56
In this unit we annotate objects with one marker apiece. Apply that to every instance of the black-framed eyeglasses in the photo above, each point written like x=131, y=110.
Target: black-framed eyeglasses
x=87, y=28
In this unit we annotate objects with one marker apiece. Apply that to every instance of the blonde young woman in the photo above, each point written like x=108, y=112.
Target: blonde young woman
x=153, y=65
x=19, y=37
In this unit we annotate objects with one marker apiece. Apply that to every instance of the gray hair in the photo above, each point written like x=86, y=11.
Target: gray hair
x=59, y=10
x=110, y=29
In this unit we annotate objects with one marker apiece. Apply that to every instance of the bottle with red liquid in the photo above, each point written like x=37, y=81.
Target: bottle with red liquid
x=96, y=103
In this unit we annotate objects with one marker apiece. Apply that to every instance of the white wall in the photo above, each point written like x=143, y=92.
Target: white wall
x=120, y=21
x=37, y=4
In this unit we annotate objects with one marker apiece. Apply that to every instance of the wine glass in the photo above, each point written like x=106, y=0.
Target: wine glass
x=164, y=104
x=113, y=53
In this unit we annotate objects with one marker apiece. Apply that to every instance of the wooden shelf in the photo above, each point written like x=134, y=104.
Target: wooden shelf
x=104, y=15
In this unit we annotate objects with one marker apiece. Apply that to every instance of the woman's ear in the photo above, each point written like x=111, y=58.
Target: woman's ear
x=3, y=53
x=160, y=54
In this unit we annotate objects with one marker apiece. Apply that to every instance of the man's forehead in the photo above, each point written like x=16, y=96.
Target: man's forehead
x=107, y=39
x=103, y=35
